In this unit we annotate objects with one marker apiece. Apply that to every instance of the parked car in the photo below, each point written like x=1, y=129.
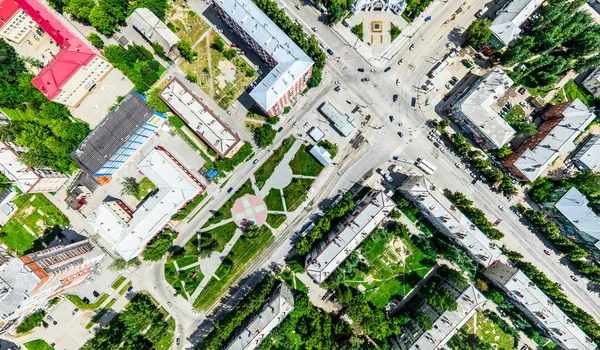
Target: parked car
x=413, y=102
x=364, y=79
x=330, y=52
x=280, y=129
x=95, y=294
x=392, y=118
x=230, y=189
x=255, y=161
x=338, y=89
x=574, y=278
x=75, y=310
x=129, y=289
x=522, y=90
x=233, y=45
x=400, y=134
x=397, y=81
x=395, y=98
x=177, y=341
x=387, y=69
x=547, y=252
x=361, y=70
x=411, y=47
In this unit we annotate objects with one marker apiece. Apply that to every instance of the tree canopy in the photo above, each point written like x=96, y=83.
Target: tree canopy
x=478, y=32
x=264, y=135
x=160, y=245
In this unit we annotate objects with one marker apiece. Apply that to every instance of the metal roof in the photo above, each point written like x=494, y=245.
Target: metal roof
x=322, y=262
x=341, y=121
x=533, y=162
x=574, y=206
x=200, y=118
x=175, y=186
x=589, y=154
x=476, y=106
x=279, y=305
x=8, y=8
x=153, y=29
x=292, y=62
x=506, y=25
x=461, y=229
x=112, y=132
x=321, y=155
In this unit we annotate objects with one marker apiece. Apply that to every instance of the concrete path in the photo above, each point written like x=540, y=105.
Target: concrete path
x=282, y=175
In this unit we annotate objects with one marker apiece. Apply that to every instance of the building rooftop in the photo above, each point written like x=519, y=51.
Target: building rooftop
x=153, y=29
x=316, y=134
x=112, y=132
x=292, y=62
x=462, y=229
x=279, y=305
x=574, y=206
x=23, y=177
x=75, y=52
x=175, y=186
x=16, y=283
x=547, y=313
x=8, y=8
x=506, y=25
x=477, y=104
x=341, y=121
x=589, y=155
x=200, y=118
x=321, y=155
x=532, y=162
x=323, y=261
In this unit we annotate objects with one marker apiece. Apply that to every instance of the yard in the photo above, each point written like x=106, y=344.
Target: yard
x=244, y=250
x=38, y=344
x=221, y=234
x=305, y=164
x=572, y=91
x=34, y=217
x=146, y=186
x=266, y=169
x=489, y=331
x=117, y=283
x=183, y=280
x=275, y=220
x=185, y=23
x=295, y=193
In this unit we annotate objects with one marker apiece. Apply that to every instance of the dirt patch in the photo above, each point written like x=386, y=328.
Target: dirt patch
x=228, y=73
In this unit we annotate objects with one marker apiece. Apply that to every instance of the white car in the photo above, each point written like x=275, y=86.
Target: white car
x=501, y=207
x=295, y=124
x=374, y=70
x=338, y=82
x=412, y=47
x=457, y=165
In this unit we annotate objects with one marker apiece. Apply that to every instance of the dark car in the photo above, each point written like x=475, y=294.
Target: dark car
x=392, y=118
x=413, y=101
x=522, y=90
x=361, y=70
x=177, y=341
x=400, y=134
x=330, y=52
x=230, y=190
x=130, y=289
x=95, y=294
x=364, y=79
x=387, y=69
x=280, y=129
x=395, y=98
x=255, y=161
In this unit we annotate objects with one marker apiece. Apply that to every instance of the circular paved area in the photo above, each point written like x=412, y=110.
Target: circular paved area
x=249, y=208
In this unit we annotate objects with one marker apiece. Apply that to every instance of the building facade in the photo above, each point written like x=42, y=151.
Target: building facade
x=395, y=6
x=477, y=111
x=27, y=283
x=77, y=69
x=562, y=124
x=291, y=67
x=15, y=24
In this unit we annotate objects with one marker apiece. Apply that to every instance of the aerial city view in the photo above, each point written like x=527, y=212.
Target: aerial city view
x=299, y=174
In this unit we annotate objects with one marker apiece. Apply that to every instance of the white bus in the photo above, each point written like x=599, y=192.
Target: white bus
x=424, y=165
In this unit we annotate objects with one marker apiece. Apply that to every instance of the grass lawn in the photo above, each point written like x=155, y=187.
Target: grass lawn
x=37, y=213
x=392, y=278
x=244, y=250
x=224, y=212
x=172, y=278
x=167, y=340
x=192, y=278
x=83, y=306
x=275, y=220
x=305, y=164
x=125, y=287
x=38, y=344
x=221, y=234
x=146, y=186
x=186, y=260
x=187, y=26
x=274, y=200
x=488, y=331
x=18, y=115
x=295, y=193
x=118, y=282
x=266, y=169
x=572, y=91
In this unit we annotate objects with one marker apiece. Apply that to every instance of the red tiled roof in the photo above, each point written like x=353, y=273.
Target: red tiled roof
x=75, y=52
x=8, y=8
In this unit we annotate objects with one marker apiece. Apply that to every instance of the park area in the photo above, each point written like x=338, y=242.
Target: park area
x=488, y=332
x=32, y=224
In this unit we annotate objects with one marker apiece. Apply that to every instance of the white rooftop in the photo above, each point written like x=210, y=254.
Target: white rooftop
x=533, y=162
x=451, y=321
x=589, y=155
x=175, y=187
x=341, y=121
x=476, y=106
x=270, y=315
x=321, y=263
x=316, y=134
x=292, y=62
x=462, y=230
x=321, y=155
x=200, y=118
x=23, y=177
x=506, y=26
x=16, y=283
x=547, y=313
x=153, y=29
x=574, y=206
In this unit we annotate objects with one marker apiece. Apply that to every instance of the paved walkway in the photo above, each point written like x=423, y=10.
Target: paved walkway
x=282, y=175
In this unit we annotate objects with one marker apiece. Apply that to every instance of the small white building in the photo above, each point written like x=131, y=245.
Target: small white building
x=341, y=121
x=155, y=31
x=321, y=154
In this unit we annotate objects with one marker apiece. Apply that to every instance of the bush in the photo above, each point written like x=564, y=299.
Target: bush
x=31, y=321
x=176, y=122
x=159, y=245
x=229, y=53
x=287, y=109
x=315, y=78
x=96, y=40
x=191, y=78
x=218, y=44
x=155, y=102
x=264, y=135
x=358, y=30
x=186, y=50
x=394, y=31
x=158, y=49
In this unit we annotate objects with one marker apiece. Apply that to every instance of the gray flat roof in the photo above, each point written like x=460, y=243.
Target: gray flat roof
x=341, y=121
x=574, y=206
x=589, y=155
x=506, y=26
x=16, y=283
x=321, y=155
x=112, y=132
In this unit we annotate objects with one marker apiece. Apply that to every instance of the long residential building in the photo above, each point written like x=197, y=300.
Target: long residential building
x=155, y=31
x=507, y=25
x=291, y=67
x=450, y=221
x=26, y=179
x=477, y=110
x=446, y=323
x=15, y=24
x=118, y=136
x=588, y=154
x=330, y=254
x=201, y=119
x=77, y=69
x=538, y=307
x=27, y=283
x=272, y=313
x=128, y=231
x=562, y=124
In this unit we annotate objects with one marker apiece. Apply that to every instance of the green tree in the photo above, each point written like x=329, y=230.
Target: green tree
x=102, y=20
x=315, y=78
x=31, y=321
x=424, y=321
x=264, y=135
x=96, y=40
x=218, y=44
x=478, y=32
x=335, y=12
x=186, y=50
x=80, y=9
x=159, y=245
x=504, y=152
x=58, y=5
x=160, y=51
x=159, y=105
x=158, y=7
x=252, y=231
x=130, y=186
x=229, y=53
x=587, y=182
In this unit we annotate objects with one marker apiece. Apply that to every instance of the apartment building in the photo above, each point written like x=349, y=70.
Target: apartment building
x=15, y=24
